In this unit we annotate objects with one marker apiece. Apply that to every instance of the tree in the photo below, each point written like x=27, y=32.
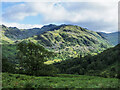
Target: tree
x=32, y=57
x=7, y=66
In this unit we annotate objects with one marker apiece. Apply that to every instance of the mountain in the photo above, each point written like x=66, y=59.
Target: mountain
x=66, y=40
x=104, y=64
x=71, y=40
x=111, y=37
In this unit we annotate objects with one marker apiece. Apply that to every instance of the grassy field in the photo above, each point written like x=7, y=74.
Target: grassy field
x=58, y=81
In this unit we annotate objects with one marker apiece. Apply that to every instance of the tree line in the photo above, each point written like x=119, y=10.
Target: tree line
x=31, y=58
x=105, y=64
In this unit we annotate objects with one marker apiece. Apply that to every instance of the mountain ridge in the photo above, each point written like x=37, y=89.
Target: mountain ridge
x=14, y=33
x=113, y=38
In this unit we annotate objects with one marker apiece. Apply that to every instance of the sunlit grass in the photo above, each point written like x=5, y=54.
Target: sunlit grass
x=52, y=61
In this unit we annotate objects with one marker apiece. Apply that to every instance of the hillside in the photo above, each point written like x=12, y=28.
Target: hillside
x=66, y=40
x=104, y=64
x=14, y=33
x=71, y=40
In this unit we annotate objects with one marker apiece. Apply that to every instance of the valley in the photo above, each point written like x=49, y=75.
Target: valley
x=55, y=53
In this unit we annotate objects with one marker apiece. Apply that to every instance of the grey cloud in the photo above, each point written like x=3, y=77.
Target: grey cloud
x=94, y=16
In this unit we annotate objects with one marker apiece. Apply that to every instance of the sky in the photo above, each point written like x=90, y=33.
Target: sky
x=96, y=16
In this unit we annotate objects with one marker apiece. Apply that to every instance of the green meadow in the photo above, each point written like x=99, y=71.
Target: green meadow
x=58, y=81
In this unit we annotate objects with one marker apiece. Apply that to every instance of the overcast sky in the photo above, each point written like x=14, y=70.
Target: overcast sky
x=96, y=16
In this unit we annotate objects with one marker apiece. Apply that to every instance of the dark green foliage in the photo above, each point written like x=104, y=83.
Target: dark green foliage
x=9, y=59
x=104, y=64
x=9, y=52
x=32, y=57
x=44, y=41
x=8, y=66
